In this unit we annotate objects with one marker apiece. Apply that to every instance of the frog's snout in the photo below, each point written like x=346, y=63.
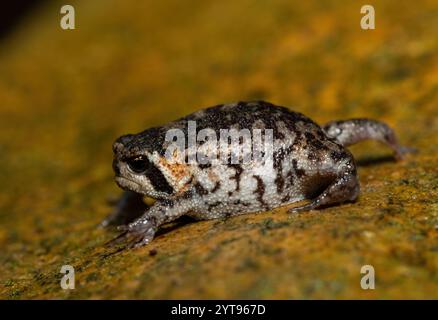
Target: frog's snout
x=121, y=142
x=116, y=167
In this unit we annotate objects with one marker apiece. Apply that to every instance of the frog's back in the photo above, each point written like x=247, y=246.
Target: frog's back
x=245, y=115
x=288, y=127
x=292, y=132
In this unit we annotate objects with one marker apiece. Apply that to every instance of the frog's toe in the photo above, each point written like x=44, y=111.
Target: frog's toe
x=134, y=235
x=402, y=151
x=304, y=208
x=117, y=240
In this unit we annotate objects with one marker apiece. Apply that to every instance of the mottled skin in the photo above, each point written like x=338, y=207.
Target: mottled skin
x=309, y=162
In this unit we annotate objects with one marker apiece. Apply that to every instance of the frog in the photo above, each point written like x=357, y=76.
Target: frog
x=307, y=162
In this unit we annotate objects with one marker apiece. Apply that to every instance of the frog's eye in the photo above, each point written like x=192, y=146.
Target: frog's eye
x=337, y=131
x=138, y=165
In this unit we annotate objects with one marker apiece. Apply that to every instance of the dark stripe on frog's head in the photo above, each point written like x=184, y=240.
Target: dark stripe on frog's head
x=141, y=165
x=158, y=180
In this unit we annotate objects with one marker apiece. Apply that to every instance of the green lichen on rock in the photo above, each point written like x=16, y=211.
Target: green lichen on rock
x=66, y=95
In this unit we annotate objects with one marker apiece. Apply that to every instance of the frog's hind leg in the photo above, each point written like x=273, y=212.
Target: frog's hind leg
x=343, y=188
x=348, y=132
x=128, y=208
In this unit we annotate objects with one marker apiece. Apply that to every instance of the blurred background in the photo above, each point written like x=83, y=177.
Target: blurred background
x=66, y=95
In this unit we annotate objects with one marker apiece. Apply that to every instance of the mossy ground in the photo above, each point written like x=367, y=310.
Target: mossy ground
x=66, y=95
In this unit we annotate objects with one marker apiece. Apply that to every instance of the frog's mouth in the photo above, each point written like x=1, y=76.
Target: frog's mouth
x=127, y=184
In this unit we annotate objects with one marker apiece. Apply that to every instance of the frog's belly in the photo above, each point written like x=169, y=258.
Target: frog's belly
x=247, y=202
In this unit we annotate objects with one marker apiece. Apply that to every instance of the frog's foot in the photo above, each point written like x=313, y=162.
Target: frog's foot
x=348, y=132
x=128, y=208
x=344, y=189
x=142, y=231
x=136, y=234
x=401, y=151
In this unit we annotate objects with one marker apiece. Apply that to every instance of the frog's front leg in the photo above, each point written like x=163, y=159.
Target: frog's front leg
x=129, y=207
x=142, y=230
x=348, y=132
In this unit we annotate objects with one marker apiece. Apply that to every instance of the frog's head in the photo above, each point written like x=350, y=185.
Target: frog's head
x=141, y=169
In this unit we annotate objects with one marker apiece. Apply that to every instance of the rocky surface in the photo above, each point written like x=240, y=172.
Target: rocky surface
x=66, y=95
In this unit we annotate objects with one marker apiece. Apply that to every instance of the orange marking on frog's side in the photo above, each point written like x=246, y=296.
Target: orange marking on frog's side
x=178, y=171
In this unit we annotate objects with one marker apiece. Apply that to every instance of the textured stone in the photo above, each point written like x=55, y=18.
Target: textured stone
x=66, y=95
